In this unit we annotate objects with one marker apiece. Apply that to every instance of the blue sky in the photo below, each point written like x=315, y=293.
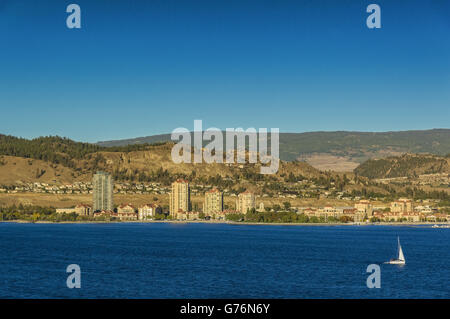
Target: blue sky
x=138, y=68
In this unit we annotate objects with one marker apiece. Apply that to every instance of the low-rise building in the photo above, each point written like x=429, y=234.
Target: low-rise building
x=105, y=213
x=397, y=216
x=402, y=205
x=181, y=215
x=148, y=211
x=364, y=208
x=80, y=209
x=126, y=212
x=437, y=217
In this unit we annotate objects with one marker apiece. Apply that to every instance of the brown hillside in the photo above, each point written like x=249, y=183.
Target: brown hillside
x=14, y=170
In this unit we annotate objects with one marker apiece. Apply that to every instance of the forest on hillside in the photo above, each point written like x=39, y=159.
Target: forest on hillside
x=409, y=165
x=57, y=150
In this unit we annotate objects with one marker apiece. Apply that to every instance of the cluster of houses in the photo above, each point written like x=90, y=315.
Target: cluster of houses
x=302, y=189
x=400, y=210
x=45, y=188
x=123, y=212
x=436, y=179
x=83, y=188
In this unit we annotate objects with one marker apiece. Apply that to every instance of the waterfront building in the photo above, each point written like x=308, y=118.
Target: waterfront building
x=181, y=215
x=80, y=209
x=330, y=211
x=245, y=202
x=148, y=211
x=402, y=205
x=103, y=187
x=106, y=214
x=213, y=202
x=179, y=197
x=364, y=208
x=126, y=212
x=398, y=216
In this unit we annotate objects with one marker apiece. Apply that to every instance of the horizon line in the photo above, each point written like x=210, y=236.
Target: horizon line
x=304, y=132
x=192, y=131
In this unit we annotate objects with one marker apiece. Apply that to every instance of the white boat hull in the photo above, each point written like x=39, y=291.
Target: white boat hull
x=395, y=262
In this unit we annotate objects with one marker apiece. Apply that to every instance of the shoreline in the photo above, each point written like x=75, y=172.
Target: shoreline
x=228, y=223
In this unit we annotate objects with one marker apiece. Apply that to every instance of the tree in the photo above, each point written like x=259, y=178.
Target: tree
x=235, y=217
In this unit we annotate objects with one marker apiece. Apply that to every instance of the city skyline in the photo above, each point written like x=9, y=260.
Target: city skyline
x=297, y=66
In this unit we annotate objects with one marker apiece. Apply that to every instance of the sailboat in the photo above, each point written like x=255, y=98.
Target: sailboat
x=400, y=259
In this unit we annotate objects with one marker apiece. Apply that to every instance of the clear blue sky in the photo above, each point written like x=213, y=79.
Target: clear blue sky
x=138, y=68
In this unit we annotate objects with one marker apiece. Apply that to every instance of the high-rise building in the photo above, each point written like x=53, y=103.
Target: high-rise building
x=213, y=202
x=103, y=186
x=245, y=202
x=179, y=197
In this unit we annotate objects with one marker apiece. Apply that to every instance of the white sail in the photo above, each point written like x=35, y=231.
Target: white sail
x=401, y=258
x=400, y=252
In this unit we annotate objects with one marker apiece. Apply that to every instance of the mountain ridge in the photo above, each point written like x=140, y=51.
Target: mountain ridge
x=340, y=150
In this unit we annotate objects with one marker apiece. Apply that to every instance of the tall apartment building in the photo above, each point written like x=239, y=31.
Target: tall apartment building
x=103, y=191
x=245, y=202
x=403, y=205
x=179, y=197
x=213, y=202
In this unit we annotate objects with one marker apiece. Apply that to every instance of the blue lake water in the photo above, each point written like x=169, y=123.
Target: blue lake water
x=162, y=260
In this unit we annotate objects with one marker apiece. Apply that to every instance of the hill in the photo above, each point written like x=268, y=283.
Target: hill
x=61, y=160
x=409, y=165
x=58, y=160
x=136, y=164
x=341, y=150
x=15, y=170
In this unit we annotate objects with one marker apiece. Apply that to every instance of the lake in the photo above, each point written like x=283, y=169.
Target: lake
x=200, y=260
